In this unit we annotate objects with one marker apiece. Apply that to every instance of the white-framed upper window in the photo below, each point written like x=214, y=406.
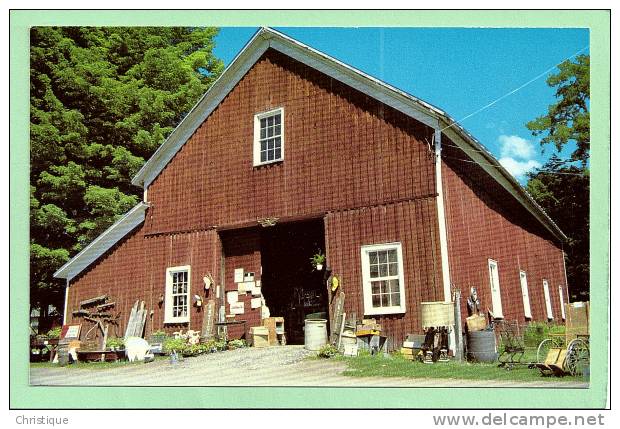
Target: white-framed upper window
x=383, y=279
x=496, y=296
x=177, y=294
x=269, y=136
x=547, y=299
x=526, y=295
x=561, y=291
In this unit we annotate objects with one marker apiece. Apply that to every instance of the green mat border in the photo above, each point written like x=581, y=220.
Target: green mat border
x=23, y=396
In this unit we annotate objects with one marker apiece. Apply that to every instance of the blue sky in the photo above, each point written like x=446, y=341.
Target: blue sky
x=458, y=70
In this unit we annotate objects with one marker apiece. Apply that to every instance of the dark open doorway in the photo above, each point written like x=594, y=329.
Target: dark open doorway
x=291, y=286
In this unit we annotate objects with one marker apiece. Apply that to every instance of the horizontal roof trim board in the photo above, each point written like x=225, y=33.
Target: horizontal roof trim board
x=103, y=243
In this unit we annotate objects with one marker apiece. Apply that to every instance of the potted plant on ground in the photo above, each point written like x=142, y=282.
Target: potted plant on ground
x=158, y=337
x=317, y=260
x=115, y=343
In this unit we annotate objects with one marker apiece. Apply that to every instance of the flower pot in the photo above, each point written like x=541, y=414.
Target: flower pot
x=319, y=267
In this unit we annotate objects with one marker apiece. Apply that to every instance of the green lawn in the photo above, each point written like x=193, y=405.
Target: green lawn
x=397, y=366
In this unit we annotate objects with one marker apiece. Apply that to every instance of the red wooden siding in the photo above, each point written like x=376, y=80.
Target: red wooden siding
x=365, y=167
x=484, y=222
x=342, y=149
x=414, y=225
x=242, y=250
x=136, y=270
x=113, y=274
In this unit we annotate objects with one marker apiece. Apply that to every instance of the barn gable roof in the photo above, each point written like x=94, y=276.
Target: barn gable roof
x=103, y=243
x=262, y=40
x=420, y=110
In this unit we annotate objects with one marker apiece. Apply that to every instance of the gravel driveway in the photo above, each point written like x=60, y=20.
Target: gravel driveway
x=272, y=366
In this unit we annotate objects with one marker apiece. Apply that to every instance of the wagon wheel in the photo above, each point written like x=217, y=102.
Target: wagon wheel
x=547, y=344
x=543, y=349
x=577, y=357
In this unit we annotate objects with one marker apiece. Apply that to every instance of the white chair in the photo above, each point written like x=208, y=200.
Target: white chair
x=137, y=349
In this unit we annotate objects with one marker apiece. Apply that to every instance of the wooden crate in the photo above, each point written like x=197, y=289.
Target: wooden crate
x=477, y=322
x=275, y=325
x=577, y=320
x=260, y=336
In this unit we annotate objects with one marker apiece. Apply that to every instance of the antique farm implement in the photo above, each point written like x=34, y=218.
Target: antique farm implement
x=568, y=353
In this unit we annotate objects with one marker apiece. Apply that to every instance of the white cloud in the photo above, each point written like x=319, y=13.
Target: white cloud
x=516, y=147
x=516, y=155
x=518, y=168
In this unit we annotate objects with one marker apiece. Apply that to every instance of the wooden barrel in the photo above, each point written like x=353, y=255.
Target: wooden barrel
x=481, y=346
x=63, y=353
x=315, y=334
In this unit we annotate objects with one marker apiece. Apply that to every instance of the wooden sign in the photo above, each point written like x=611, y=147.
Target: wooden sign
x=209, y=319
x=70, y=332
x=335, y=282
x=238, y=275
x=232, y=297
x=237, y=308
x=337, y=318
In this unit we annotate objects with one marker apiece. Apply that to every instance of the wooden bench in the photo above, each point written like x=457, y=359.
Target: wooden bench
x=100, y=355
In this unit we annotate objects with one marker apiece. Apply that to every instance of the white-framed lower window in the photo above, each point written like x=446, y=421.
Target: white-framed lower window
x=383, y=279
x=177, y=294
x=269, y=136
x=547, y=300
x=527, y=310
x=496, y=296
x=561, y=291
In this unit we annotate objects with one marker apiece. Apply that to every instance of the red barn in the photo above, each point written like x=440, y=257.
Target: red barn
x=292, y=152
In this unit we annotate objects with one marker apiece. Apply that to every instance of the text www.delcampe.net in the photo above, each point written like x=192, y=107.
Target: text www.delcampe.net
x=506, y=419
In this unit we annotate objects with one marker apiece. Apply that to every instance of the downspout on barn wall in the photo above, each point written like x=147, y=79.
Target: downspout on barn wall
x=64, y=313
x=443, y=238
x=441, y=217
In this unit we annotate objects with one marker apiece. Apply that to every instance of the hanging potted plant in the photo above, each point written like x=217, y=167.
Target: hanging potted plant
x=317, y=260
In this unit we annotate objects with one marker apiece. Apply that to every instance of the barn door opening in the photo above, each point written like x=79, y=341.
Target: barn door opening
x=291, y=286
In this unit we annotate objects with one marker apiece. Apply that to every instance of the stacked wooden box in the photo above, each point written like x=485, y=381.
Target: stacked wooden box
x=412, y=346
x=369, y=336
x=368, y=327
x=275, y=327
x=260, y=336
x=348, y=339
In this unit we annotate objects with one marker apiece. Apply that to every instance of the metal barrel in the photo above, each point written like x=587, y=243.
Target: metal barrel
x=315, y=333
x=481, y=346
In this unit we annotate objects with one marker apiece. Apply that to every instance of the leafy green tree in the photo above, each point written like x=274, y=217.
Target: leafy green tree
x=562, y=186
x=569, y=118
x=564, y=193
x=102, y=101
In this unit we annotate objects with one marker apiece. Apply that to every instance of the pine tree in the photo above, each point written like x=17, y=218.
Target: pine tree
x=102, y=101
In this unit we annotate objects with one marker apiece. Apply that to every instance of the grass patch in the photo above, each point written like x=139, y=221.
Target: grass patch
x=397, y=366
x=538, y=331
